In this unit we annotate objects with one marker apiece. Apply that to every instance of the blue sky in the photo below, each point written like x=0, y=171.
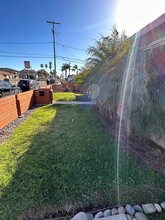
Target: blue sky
x=25, y=33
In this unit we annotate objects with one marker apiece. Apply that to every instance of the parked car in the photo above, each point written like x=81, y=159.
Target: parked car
x=28, y=84
x=6, y=89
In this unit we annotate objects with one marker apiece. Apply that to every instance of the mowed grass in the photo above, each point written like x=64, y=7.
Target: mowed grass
x=61, y=159
x=66, y=96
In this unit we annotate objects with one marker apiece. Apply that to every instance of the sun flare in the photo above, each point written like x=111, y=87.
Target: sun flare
x=134, y=15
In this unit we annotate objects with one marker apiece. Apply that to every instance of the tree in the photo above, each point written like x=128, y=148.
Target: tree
x=42, y=73
x=50, y=66
x=134, y=94
x=66, y=67
x=42, y=66
x=106, y=48
x=75, y=68
x=80, y=78
x=46, y=66
x=148, y=100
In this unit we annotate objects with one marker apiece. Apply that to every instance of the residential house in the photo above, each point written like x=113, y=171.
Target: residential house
x=12, y=77
x=25, y=74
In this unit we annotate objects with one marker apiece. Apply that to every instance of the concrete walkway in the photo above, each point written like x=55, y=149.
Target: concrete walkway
x=73, y=103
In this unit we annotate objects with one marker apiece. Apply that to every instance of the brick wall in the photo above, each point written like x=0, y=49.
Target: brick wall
x=58, y=88
x=8, y=110
x=71, y=86
x=43, y=96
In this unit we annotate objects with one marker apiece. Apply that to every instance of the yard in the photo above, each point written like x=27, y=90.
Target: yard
x=61, y=160
x=67, y=96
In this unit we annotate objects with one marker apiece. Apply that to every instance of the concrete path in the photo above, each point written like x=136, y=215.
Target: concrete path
x=73, y=103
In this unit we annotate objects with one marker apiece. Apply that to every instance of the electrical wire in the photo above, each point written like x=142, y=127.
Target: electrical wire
x=26, y=32
x=26, y=43
x=43, y=8
x=45, y=57
x=25, y=53
x=70, y=47
x=63, y=45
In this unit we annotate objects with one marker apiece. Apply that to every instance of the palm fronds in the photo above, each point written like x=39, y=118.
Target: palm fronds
x=144, y=95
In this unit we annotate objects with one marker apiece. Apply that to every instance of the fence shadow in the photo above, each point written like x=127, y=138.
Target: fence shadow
x=45, y=176
x=71, y=167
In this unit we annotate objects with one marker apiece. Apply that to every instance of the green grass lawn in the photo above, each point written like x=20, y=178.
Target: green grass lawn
x=61, y=158
x=66, y=96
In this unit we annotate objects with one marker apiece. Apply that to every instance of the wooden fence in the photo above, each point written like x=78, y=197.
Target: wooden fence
x=8, y=110
x=25, y=101
x=14, y=106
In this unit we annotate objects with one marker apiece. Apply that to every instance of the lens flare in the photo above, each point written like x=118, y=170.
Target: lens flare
x=134, y=15
x=93, y=91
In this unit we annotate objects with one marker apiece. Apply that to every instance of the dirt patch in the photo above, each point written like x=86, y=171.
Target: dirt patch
x=8, y=129
x=145, y=152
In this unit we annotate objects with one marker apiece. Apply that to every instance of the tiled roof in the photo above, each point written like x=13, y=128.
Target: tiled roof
x=9, y=70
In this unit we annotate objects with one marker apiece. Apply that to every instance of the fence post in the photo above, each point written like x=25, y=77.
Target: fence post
x=18, y=106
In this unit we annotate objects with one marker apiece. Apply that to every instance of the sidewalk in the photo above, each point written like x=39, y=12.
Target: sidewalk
x=73, y=103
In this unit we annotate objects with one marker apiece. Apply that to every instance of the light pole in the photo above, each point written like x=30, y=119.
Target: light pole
x=54, y=44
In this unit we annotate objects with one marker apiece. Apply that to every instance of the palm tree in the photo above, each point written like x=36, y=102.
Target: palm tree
x=50, y=66
x=106, y=48
x=42, y=65
x=42, y=73
x=46, y=66
x=75, y=68
x=69, y=67
x=148, y=101
x=66, y=67
x=143, y=106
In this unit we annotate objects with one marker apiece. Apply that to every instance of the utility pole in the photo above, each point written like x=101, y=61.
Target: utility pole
x=54, y=44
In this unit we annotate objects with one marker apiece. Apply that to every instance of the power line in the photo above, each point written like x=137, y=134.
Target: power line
x=25, y=53
x=44, y=9
x=26, y=43
x=63, y=45
x=68, y=53
x=82, y=61
x=70, y=59
x=45, y=57
x=71, y=47
x=41, y=55
x=25, y=56
x=26, y=32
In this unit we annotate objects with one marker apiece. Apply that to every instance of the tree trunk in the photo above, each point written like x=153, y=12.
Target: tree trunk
x=65, y=74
